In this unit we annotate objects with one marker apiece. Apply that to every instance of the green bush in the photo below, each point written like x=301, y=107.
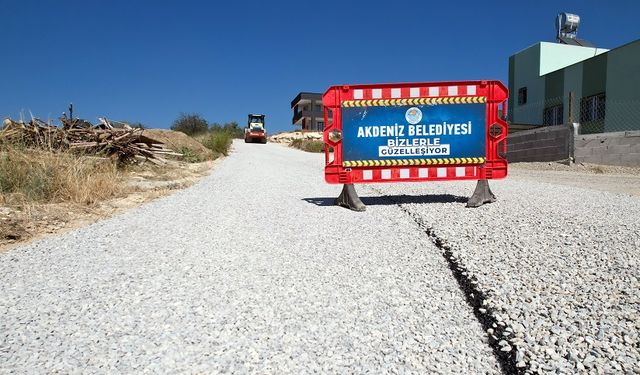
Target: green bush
x=219, y=142
x=189, y=155
x=230, y=127
x=309, y=145
x=192, y=124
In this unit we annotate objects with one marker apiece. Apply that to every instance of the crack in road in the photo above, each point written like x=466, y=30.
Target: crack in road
x=474, y=296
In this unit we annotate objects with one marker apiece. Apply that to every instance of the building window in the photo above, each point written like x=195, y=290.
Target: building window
x=522, y=95
x=553, y=115
x=592, y=108
x=320, y=125
x=318, y=107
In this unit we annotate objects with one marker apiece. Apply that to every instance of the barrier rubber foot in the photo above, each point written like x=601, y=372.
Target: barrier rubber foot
x=350, y=199
x=481, y=195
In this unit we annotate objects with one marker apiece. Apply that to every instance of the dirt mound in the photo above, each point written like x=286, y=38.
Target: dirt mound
x=179, y=141
x=22, y=223
x=291, y=136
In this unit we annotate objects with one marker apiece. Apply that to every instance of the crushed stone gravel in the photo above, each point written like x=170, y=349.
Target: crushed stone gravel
x=558, y=264
x=251, y=270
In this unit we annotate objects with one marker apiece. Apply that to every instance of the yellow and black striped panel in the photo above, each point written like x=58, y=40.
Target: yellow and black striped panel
x=414, y=101
x=410, y=162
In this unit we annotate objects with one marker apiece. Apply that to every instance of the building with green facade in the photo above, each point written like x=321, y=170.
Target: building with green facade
x=553, y=84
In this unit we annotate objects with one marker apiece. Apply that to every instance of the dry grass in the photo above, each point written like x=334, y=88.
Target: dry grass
x=30, y=176
x=218, y=142
x=191, y=148
x=309, y=145
x=44, y=192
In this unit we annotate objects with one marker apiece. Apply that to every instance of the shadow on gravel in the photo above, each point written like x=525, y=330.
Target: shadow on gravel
x=390, y=200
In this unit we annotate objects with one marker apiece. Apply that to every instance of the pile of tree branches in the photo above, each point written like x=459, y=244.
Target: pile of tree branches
x=108, y=138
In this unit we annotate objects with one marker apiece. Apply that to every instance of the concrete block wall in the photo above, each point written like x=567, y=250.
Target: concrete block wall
x=550, y=143
x=620, y=148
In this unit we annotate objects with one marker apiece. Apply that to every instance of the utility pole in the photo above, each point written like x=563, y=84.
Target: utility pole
x=71, y=111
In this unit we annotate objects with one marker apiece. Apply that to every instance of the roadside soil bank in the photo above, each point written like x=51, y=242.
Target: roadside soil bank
x=21, y=224
x=614, y=179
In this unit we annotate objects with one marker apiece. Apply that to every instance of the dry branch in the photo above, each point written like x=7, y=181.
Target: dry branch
x=123, y=142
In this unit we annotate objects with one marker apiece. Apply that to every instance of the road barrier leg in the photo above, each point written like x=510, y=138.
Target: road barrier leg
x=349, y=199
x=481, y=195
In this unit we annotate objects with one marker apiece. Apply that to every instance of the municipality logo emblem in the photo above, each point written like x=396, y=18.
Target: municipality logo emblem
x=413, y=115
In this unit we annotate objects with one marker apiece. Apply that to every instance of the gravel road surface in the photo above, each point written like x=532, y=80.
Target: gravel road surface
x=252, y=270
x=620, y=183
x=558, y=264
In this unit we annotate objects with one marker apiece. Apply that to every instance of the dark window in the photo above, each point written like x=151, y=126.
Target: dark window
x=318, y=107
x=592, y=108
x=553, y=115
x=522, y=95
x=320, y=125
x=330, y=116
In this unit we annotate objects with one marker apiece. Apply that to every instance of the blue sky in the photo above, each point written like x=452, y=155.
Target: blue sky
x=149, y=61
